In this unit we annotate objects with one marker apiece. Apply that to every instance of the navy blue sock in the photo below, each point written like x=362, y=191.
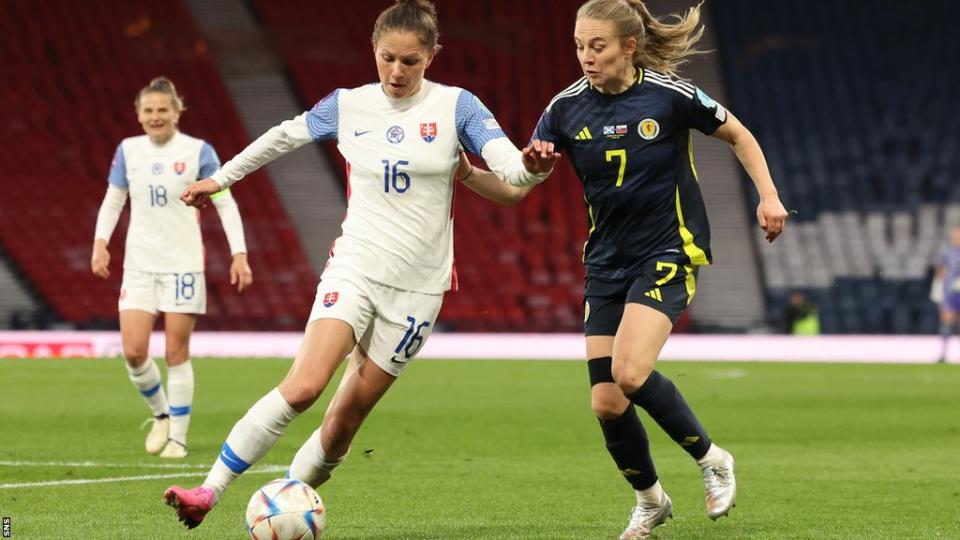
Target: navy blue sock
x=629, y=447
x=663, y=402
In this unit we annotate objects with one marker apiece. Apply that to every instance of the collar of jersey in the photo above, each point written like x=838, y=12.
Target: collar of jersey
x=408, y=102
x=172, y=138
x=637, y=82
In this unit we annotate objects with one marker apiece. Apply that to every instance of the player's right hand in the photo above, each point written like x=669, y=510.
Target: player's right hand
x=198, y=194
x=100, y=261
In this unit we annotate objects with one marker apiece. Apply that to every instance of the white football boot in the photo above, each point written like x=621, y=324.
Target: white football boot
x=159, y=433
x=720, y=484
x=174, y=450
x=644, y=518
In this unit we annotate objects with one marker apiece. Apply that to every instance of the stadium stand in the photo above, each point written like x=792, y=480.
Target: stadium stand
x=72, y=100
x=862, y=143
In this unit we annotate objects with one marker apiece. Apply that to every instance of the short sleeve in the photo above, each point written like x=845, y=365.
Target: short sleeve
x=545, y=130
x=118, y=169
x=209, y=161
x=707, y=115
x=323, y=120
x=476, y=125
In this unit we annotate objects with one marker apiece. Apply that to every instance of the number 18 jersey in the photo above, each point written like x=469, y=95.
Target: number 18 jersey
x=164, y=234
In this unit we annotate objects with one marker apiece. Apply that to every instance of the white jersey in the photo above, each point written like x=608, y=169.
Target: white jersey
x=164, y=233
x=401, y=158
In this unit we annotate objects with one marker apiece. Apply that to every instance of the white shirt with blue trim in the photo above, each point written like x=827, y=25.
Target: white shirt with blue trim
x=401, y=158
x=164, y=234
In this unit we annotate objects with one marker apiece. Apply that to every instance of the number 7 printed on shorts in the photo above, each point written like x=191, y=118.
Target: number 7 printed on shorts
x=411, y=342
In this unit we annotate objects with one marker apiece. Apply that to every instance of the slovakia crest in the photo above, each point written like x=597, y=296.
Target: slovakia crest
x=179, y=167
x=330, y=298
x=428, y=131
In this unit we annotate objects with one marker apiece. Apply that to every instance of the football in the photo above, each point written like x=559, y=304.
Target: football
x=285, y=509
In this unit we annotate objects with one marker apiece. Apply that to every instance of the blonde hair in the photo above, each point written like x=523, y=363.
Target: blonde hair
x=161, y=85
x=662, y=46
x=416, y=16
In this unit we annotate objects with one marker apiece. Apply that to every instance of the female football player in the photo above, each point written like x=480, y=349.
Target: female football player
x=626, y=127
x=163, y=262
x=381, y=290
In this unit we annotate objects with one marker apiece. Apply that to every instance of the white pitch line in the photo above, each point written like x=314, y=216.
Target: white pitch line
x=80, y=481
x=102, y=465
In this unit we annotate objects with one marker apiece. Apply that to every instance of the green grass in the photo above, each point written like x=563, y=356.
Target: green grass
x=508, y=450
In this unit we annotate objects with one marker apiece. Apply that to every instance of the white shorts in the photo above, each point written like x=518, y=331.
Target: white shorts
x=390, y=325
x=184, y=292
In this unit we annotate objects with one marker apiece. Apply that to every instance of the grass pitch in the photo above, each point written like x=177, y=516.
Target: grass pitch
x=501, y=450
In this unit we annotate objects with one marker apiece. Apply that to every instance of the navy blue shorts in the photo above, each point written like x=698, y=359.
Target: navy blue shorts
x=667, y=287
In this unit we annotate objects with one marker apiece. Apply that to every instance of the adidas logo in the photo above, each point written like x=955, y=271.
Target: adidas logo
x=584, y=135
x=655, y=294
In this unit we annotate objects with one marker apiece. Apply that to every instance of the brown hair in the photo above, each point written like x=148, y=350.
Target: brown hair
x=662, y=46
x=416, y=16
x=161, y=85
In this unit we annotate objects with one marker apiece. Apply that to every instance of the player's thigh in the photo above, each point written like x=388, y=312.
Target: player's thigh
x=138, y=292
x=654, y=302
x=642, y=334
x=401, y=326
x=342, y=310
x=182, y=292
x=177, y=329
x=135, y=328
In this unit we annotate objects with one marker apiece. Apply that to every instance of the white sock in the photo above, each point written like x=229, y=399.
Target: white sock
x=311, y=465
x=180, y=392
x=250, y=439
x=650, y=497
x=146, y=379
x=714, y=455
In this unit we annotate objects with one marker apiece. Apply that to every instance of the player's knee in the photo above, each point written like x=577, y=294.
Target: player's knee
x=134, y=356
x=606, y=406
x=630, y=375
x=177, y=356
x=299, y=394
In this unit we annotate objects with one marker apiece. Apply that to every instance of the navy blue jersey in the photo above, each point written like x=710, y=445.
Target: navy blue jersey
x=633, y=153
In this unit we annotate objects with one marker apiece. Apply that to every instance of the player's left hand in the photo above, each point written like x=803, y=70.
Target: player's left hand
x=240, y=273
x=539, y=157
x=198, y=194
x=772, y=216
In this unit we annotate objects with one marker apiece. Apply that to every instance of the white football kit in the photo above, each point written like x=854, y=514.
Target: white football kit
x=164, y=260
x=387, y=272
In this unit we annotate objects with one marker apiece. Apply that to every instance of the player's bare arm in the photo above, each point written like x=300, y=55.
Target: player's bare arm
x=488, y=185
x=771, y=213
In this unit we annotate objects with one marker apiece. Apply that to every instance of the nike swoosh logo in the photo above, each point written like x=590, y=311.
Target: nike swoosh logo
x=394, y=360
x=357, y=132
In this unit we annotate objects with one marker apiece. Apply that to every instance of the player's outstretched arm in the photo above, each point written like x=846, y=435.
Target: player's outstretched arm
x=488, y=185
x=771, y=214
